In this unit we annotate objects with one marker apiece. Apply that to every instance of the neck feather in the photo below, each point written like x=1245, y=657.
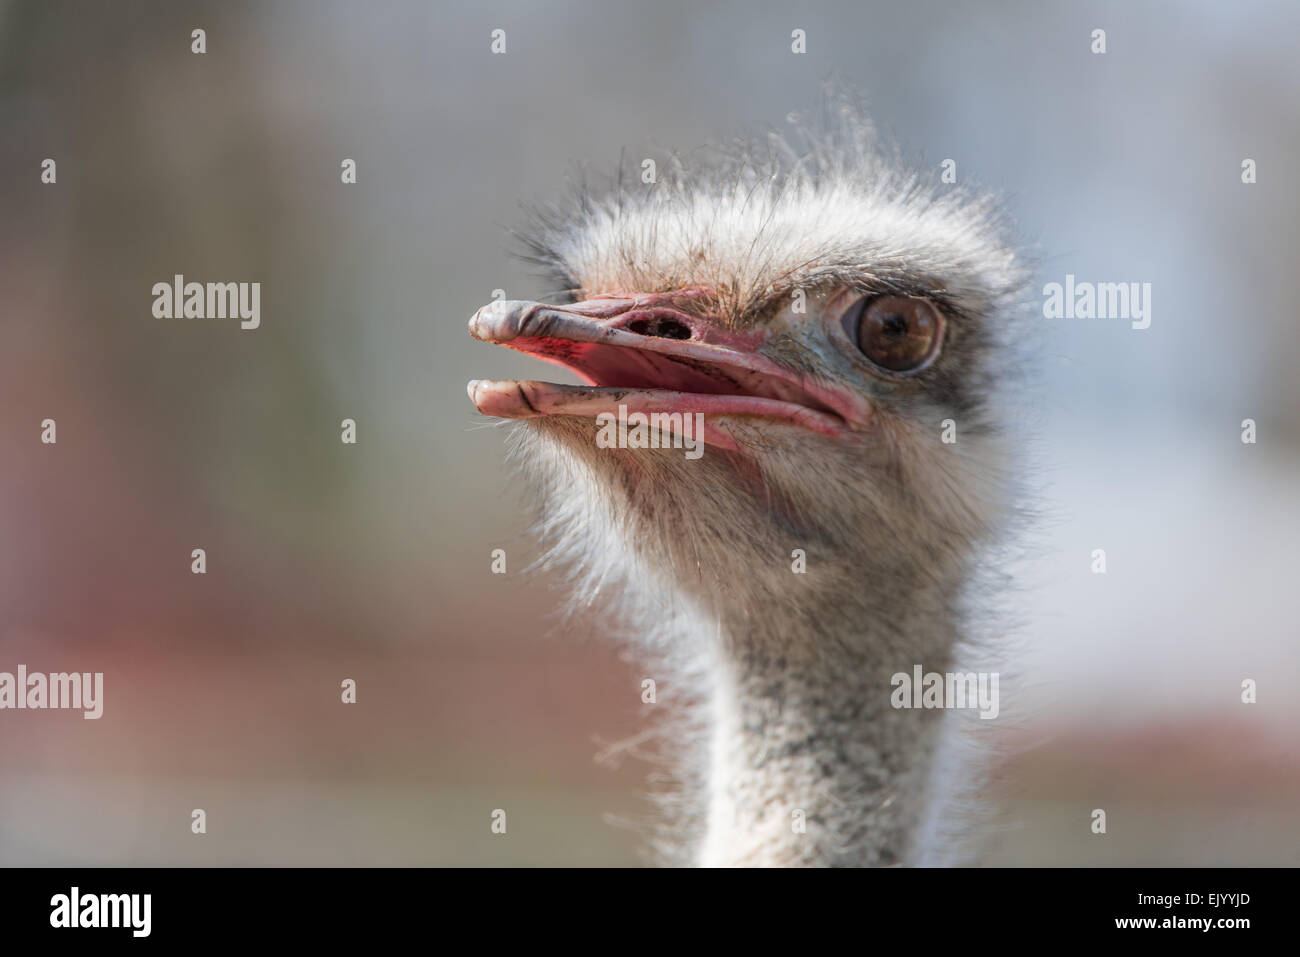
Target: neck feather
x=807, y=761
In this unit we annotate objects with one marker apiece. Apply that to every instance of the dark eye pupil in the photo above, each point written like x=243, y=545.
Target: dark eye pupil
x=894, y=326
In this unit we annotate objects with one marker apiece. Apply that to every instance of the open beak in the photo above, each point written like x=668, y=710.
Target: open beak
x=646, y=354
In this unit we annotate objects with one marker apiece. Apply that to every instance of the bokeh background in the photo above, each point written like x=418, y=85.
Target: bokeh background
x=371, y=561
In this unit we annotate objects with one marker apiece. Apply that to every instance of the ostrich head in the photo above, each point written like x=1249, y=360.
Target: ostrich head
x=840, y=326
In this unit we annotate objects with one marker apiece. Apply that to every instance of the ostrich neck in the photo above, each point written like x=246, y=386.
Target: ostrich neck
x=809, y=763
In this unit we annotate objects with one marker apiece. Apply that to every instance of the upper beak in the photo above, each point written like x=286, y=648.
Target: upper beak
x=648, y=354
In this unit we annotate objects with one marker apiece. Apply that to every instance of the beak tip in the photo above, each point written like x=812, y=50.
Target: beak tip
x=498, y=321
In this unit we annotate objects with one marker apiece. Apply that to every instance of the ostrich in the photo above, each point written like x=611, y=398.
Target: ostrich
x=832, y=316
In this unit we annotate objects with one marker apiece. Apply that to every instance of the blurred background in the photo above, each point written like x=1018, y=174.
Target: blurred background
x=328, y=561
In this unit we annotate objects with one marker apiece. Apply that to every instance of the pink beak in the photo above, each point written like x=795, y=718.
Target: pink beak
x=647, y=354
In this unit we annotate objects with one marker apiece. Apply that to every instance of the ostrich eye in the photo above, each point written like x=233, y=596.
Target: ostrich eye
x=896, y=333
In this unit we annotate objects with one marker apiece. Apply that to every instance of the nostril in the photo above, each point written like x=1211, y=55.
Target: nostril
x=660, y=328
